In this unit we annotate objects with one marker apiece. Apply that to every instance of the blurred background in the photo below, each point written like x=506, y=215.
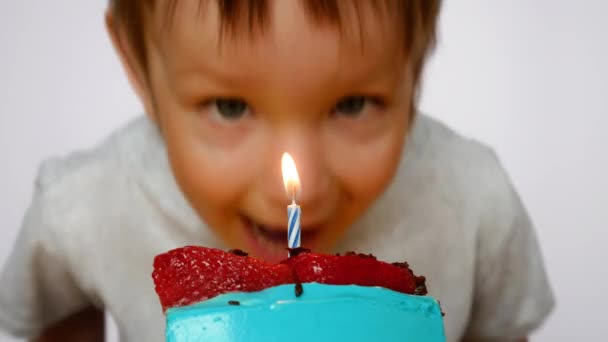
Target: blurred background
x=529, y=78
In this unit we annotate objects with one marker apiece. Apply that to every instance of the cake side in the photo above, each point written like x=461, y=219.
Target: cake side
x=321, y=313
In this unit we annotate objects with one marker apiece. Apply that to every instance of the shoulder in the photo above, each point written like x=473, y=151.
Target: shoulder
x=69, y=176
x=462, y=176
x=73, y=222
x=73, y=192
x=461, y=165
x=469, y=177
x=435, y=145
x=82, y=167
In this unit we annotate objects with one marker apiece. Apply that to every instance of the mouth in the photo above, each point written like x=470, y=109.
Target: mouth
x=269, y=242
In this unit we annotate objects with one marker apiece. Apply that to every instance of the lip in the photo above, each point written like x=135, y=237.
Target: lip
x=270, y=242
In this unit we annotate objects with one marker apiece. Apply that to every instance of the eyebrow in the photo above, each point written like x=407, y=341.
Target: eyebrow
x=372, y=79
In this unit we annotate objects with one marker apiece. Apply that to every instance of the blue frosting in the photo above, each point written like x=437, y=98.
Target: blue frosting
x=322, y=313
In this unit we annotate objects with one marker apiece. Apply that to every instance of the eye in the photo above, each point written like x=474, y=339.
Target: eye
x=351, y=106
x=229, y=109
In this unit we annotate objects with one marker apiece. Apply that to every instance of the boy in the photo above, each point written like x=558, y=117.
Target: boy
x=228, y=86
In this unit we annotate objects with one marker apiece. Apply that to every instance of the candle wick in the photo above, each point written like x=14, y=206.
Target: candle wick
x=292, y=192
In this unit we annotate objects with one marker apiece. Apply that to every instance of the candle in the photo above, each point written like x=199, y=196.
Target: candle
x=291, y=180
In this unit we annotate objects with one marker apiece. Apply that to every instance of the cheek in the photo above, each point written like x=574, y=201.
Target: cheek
x=365, y=170
x=213, y=177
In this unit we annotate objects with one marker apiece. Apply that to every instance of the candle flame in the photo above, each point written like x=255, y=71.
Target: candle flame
x=291, y=179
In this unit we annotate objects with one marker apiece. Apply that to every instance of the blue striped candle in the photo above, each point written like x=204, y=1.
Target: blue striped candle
x=293, y=225
x=291, y=179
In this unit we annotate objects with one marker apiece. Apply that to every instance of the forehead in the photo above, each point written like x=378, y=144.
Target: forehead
x=287, y=38
x=244, y=14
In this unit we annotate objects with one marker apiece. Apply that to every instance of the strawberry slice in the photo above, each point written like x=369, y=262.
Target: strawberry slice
x=354, y=269
x=191, y=274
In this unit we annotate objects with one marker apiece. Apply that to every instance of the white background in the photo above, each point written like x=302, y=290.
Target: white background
x=528, y=77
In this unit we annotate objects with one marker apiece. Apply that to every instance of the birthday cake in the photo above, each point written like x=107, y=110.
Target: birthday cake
x=211, y=295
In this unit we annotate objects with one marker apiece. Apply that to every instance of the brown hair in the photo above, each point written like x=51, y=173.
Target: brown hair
x=418, y=19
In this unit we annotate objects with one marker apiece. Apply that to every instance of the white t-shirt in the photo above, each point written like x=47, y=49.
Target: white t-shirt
x=99, y=217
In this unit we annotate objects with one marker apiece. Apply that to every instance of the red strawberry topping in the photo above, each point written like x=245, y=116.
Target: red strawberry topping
x=191, y=274
x=355, y=269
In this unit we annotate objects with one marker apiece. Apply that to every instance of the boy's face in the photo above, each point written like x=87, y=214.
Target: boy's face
x=228, y=107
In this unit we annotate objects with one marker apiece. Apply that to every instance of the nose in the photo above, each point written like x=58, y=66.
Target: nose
x=315, y=179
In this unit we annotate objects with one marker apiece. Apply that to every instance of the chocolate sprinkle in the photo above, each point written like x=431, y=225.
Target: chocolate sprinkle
x=297, y=251
x=420, y=286
x=234, y=302
x=238, y=252
x=299, y=289
x=403, y=265
x=360, y=255
x=440, y=308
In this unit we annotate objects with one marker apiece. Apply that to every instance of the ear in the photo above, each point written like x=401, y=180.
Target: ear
x=137, y=76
